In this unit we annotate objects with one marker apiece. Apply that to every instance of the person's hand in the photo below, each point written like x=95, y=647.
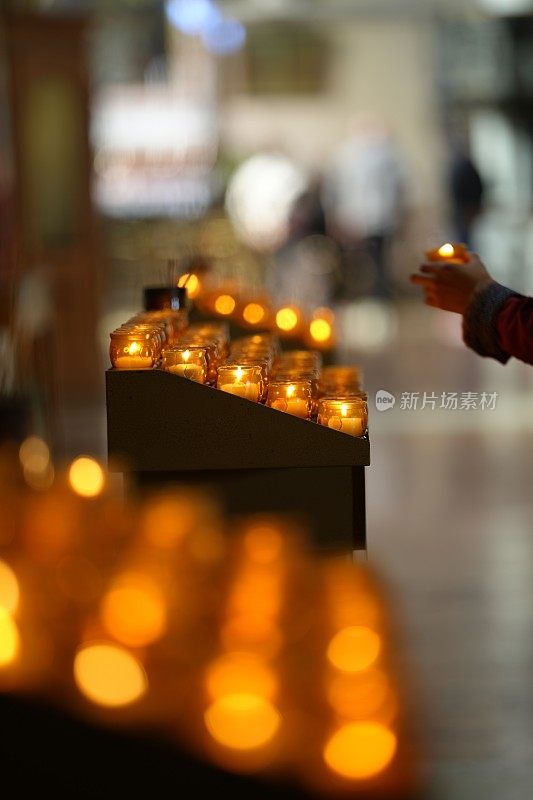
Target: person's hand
x=452, y=286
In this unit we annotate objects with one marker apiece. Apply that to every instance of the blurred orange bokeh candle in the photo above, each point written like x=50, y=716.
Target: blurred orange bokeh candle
x=451, y=253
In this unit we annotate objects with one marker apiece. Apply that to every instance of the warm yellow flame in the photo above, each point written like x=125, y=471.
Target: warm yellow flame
x=320, y=330
x=224, y=304
x=34, y=455
x=240, y=672
x=186, y=355
x=9, y=638
x=191, y=283
x=134, y=348
x=344, y=409
x=86, y=476
x=9, y=588
x=109, y=675
x=447, y=250
x=290, y=390
x=134, y=611
x=253, y=313
x=286, y=319
x=360, y=750
x=239, y=373
x=242, y=721
x=354, y=648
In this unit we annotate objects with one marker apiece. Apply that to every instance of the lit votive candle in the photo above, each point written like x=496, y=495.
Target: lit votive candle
x=132, y=350
x=187, y=362
x=242, y=381
x=449, y=253
x=291, y=396
x=347, y=415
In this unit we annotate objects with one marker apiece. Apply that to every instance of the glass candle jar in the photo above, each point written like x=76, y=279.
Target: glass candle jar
x=133, y=350
x=187, y=362
x=241, y=380
x=217, y=332
x=211, y=351
x=310, y=359
x=291, y=396
x=337, y=379
x=262, y=364
x=153, y=329
x=345, y=414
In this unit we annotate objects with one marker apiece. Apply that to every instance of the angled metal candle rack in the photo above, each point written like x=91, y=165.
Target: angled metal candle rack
x=164, y=429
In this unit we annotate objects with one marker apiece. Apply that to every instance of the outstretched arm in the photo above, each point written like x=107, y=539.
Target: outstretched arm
x=497, y=322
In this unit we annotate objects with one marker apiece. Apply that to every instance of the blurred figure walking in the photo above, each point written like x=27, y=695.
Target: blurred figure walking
x=364, y=201
x=466, y=195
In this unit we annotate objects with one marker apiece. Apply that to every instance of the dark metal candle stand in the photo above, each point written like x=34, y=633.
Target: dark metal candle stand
x=167, y=429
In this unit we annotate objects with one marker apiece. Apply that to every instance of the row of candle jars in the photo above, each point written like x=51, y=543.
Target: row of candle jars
x=139, y=342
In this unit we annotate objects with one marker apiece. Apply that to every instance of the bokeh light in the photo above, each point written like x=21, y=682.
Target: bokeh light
x=354, y=648
x=37, y=467
x=34, y=454
x=134, y=610
x=253, y=313
x=224, y=304
x=86, y=477
x=242, y=721
x=9, y=638
x=260, y=196
x=360, y=750
x=320, y=330
x=9, y=588
x=239, y=672
x=287, y=319
x=191, y=282
x=109, y=675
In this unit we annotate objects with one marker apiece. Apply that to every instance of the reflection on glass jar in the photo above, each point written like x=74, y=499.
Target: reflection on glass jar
x=345, y=414
x=133, y=350
x=241, y=380
x=291, y=396
x=187, y=362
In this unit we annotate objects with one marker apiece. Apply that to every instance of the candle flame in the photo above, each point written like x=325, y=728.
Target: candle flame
x=134, y=348
x=186, y=355
x=290, y=390
x=344, y=409
x=239, y=373
x=446, y=250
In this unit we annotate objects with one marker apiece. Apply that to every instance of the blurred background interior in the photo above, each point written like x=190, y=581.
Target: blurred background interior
x=314, y=149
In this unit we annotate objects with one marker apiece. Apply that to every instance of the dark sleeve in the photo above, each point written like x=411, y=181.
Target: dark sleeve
x=515, y=327
x=481, y=322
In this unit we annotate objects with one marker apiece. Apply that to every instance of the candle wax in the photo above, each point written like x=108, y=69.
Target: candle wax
x=250, y=391
x=297, y=406
x=194, y=372
x=133, y=362
x=350, y=425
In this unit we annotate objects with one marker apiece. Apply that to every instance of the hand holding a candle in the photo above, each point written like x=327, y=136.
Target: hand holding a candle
x=451, y=286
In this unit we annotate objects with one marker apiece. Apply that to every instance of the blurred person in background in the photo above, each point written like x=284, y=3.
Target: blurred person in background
x=466, y=194
x=497, y=321
x=364, y=200
x=306, y=268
